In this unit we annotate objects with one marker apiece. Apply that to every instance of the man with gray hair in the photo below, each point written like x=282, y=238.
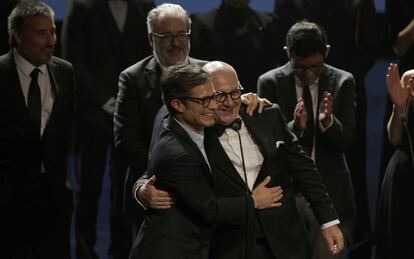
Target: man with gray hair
x=139, y=96
x=36, y=107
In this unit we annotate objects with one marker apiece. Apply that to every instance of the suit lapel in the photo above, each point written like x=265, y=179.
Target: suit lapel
x=263, y=137
x=54, y=78
x=288, y=92
x=16, y=89
x=152, y=74
x=186, y=140
x=219, y=158
x=326, y=83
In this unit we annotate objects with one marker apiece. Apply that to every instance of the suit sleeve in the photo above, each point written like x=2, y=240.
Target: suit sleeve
x=183, y=175
x=266, y=88
x=341, y=134
x=306, y=176
x=127, y=132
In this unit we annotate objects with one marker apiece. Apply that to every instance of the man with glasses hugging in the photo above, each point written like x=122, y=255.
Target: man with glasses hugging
x=318, y=101
x=139, y=95
x=270, y=149
x=181, y=165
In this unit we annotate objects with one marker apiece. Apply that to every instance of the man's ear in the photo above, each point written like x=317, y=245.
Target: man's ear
x=16, y=36
x=328, y=48
x=177, y=105
x=151, y=40
x=287, y=51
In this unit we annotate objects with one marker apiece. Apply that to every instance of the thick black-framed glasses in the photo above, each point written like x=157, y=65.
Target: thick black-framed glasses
x=168, y=37
x=234, y=95
x=316, y=69
x=205, y=101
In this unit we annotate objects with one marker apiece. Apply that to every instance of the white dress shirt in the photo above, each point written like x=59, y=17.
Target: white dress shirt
x=313, y=88
x=253, y=158
x=24, y=68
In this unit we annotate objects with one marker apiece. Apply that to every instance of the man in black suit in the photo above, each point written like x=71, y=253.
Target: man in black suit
x=102, y=38
x=139, y=96
x=36, y=128
x=354, y=35
x=272, y=150
x=318, y=101
x=181, y=165
x=235, y=33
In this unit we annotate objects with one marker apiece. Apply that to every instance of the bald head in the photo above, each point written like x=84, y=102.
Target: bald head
x=225, y=80
x=222, y=75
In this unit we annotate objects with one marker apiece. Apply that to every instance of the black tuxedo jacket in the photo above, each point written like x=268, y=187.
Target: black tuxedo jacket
x=288, y=165
x=278, y=85
x=138, y=101
x=99, y=52
x=21, y=151
x=184, y=231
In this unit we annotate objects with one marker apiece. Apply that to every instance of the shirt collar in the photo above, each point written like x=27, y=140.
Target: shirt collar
x=25, y=66
x=198, y=138
x=299, y=83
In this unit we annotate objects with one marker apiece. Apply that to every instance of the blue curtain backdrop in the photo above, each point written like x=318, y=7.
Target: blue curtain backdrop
x=193, y=6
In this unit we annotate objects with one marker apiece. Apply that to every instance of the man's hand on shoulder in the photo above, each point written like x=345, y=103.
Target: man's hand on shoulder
x=254, y=102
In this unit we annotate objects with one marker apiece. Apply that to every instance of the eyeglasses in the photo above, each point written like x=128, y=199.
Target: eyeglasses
x=205, y=101
x=234, y=95
x=168, y=37
x=316, y=69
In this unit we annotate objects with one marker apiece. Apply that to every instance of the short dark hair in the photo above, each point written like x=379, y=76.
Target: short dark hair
x=22, y=11
x=305, y=39
x=178, y=81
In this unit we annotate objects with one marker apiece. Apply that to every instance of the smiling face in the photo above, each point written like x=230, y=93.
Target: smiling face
x=173, y=51
x=225, y=80
x=194, y=114
x=36, y=40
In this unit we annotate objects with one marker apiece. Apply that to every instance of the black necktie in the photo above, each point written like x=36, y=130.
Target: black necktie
x=221, y=128
x=34, y=102
x=308, y=135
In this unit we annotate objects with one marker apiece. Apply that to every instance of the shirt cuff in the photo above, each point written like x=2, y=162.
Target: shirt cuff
x=136, y=197
x=330, y=224
x=330, y=124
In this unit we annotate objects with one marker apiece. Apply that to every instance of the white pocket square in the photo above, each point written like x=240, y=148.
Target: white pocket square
x=278, y=143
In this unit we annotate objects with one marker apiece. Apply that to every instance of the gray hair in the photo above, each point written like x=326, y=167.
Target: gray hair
x=22, y=11
x=174, y=10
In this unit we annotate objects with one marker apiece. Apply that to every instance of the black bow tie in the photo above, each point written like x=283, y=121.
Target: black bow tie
x=235, y=125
